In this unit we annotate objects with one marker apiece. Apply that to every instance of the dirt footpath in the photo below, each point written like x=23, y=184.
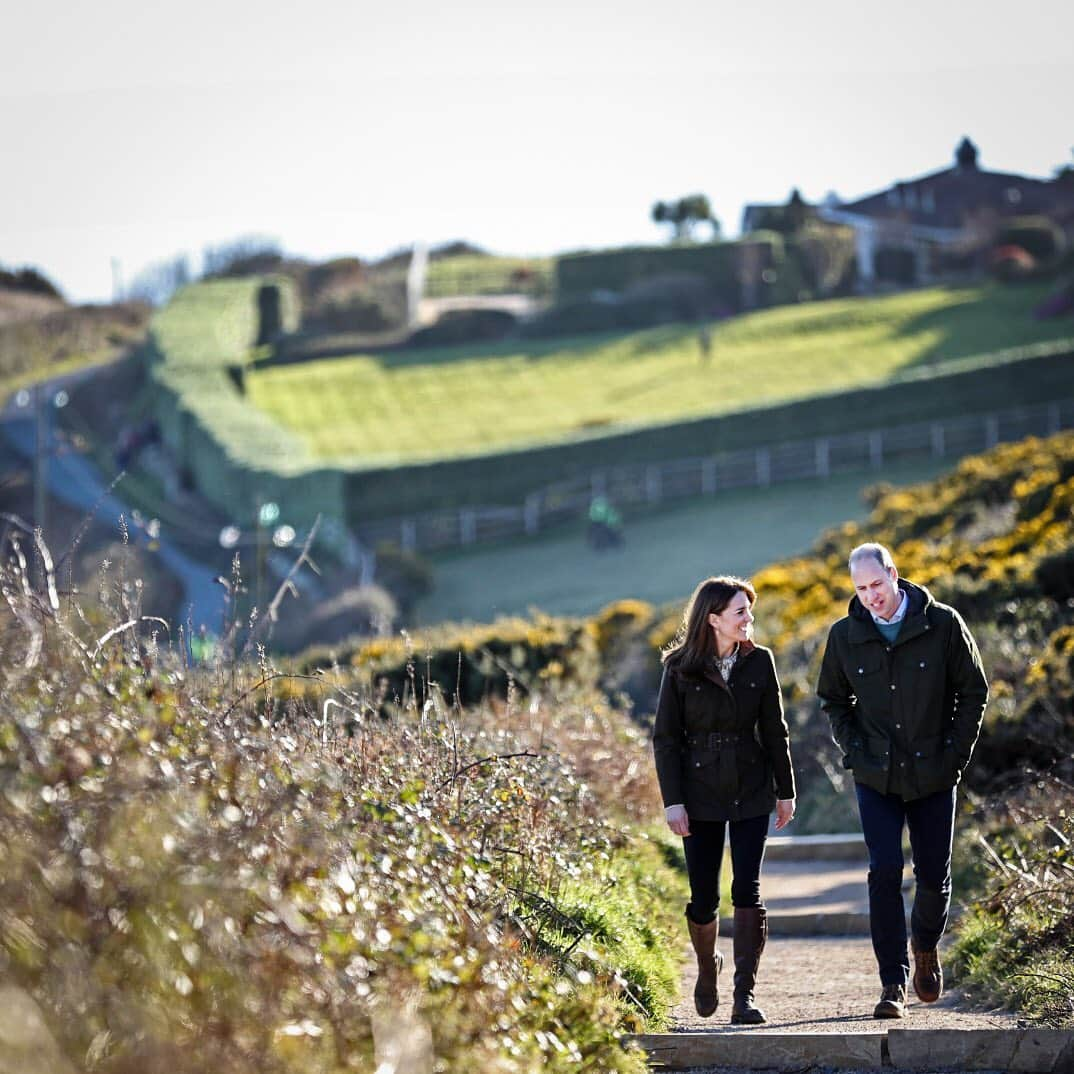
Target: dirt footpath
x=818, y=973
x=821, y=984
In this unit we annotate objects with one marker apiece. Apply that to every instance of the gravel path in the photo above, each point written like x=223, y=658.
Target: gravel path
x=822, y=984
x=811, y=981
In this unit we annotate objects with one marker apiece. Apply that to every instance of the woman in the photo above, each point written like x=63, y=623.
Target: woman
x=722, y=754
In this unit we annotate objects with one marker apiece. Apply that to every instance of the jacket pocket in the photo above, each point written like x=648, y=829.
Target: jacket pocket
x=713, y=775
x=870, y=754
x=928, y=757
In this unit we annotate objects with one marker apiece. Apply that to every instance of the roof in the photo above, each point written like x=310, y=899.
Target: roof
x=944, y=199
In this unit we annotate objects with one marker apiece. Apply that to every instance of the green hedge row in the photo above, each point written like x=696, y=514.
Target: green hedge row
x=233, y=453
x=773, y=265
x=578, y=275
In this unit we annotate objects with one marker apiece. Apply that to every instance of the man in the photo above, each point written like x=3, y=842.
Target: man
x=902, y=684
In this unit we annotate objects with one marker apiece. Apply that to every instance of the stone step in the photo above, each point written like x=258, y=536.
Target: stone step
x=1026, y=1051
x=849, y=846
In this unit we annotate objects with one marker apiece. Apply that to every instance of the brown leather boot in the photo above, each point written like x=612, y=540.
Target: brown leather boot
x=709, y=964
x=892, y=1002
x=751, y=932
x=928, y=974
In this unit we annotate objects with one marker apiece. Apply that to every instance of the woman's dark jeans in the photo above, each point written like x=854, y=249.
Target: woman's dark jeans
x=704, y=855
x=931, y=821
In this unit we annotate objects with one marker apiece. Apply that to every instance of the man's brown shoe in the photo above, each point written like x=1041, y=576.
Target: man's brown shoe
x=928, y=974
x=892, y=1002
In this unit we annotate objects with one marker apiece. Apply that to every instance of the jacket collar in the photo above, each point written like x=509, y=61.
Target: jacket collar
x=863, y=629
x=745, y=649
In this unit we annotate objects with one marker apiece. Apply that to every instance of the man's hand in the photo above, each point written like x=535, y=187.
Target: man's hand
x=677, y=819
x=784, y=812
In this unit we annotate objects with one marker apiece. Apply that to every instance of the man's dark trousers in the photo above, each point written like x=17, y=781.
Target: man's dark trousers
x=931, y=821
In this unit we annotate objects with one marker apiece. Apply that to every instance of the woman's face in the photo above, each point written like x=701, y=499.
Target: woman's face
x=734, y=623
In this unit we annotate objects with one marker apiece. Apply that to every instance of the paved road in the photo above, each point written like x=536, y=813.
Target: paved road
x=75, y=480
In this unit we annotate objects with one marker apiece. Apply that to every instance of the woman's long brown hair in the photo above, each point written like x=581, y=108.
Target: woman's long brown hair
x=695, y=644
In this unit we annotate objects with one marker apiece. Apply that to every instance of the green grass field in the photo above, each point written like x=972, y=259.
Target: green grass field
x=410, y=406
x=664, y=555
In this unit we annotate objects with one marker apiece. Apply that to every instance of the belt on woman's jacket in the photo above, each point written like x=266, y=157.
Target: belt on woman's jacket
x=715, y=739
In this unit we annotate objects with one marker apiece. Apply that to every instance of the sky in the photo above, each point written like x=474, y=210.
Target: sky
x=132, y=132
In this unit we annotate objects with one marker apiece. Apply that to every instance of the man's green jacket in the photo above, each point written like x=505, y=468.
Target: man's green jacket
x=906, y=714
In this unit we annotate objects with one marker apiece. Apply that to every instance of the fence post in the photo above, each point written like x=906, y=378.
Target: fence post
x=763, y=465
x=822, y=454
x=467, y=526
x=937, y=432
x=708, y=477
x=652, y=484
x=991, y=431
x=408, y=536
x=876, y=448
x=531, y=513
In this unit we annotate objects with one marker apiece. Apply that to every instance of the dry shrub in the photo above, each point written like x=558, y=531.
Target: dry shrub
x=197, y=873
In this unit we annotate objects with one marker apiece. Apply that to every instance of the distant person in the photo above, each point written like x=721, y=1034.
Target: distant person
x=904, y=689
x=723, y=756
x=605, y=524
x=704, y=343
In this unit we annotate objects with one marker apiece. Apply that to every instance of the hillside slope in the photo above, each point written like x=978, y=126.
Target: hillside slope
x=404, y=406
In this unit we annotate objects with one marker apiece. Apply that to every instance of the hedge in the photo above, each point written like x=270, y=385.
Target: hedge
x=234, y=454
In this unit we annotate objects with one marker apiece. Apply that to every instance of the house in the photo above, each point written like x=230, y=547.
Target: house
x=919, y=228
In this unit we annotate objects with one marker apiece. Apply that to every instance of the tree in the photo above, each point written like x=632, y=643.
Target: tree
x=684, y=215
x=249, y=255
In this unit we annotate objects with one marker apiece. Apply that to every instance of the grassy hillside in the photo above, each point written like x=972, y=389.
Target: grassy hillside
x=41, y=336
x=664, y=552
x=404, y=406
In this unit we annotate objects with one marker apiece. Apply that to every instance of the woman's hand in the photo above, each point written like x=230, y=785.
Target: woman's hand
x=677, y=819
x=784, y=812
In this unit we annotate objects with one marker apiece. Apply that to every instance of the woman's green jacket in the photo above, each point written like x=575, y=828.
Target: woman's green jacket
x=722, y=749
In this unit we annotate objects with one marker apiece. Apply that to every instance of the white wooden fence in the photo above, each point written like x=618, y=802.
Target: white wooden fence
x=648, y=484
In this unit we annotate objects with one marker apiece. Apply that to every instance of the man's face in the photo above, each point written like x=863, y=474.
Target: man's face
x=876, y=587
